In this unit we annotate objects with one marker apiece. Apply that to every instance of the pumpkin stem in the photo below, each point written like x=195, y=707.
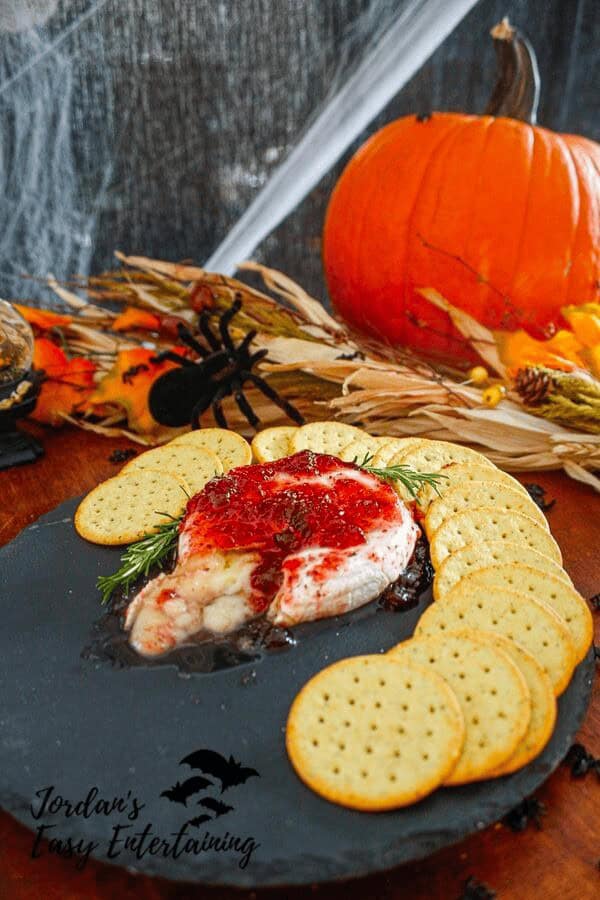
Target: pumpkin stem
x=517, y=90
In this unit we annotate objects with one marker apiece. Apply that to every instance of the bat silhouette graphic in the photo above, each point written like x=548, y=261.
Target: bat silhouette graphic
x=216, y=806
x=198, y=821
x=179, y=793
x=229, y=772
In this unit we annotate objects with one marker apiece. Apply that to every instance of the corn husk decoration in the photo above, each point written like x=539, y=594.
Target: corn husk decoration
x=526, y=417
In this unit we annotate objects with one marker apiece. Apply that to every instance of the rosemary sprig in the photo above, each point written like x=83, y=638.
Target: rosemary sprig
x=412, y=480
x=139, y=558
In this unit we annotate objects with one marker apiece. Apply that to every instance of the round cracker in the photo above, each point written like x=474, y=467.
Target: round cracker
x=185, y=487
x=486, y=523
x=543, y=706
x=129, y=506
x=473, y=494
x=195, y=465
x=324, y=437
x=391, y=447
x=372, y=734
x=231, y=448
x=432, y=456
x=491, y=690
x=273, y=443
x=460, y=473
x=527, y=621
x=487, y=553
x=359, y=447
x=561, y=597
x=389, y=455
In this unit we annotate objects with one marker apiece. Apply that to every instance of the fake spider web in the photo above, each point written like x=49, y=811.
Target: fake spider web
x=150, y=125
x=48, y=220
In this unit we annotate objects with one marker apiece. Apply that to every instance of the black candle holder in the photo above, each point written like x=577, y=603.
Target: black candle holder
x=18, y=399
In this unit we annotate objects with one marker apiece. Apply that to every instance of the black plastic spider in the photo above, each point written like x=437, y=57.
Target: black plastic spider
x=181, y=395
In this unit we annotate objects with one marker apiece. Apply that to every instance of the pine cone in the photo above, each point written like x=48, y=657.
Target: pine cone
x=533, y=385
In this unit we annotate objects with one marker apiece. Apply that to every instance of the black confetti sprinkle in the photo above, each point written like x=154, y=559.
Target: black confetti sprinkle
x=476, y=890
x=581, y=762
x=529, y=810
x=121, y=456
x=128, y=376
x=357, y=354
x=538, y=495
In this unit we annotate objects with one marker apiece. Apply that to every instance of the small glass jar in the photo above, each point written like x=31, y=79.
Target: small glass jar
x=18, y=384
x=19, y=388
x=16, y=347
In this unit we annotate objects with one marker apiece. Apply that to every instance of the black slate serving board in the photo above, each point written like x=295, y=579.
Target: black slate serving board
x=74, y=723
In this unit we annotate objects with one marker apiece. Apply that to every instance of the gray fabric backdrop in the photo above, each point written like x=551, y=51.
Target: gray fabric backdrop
x=148, y=125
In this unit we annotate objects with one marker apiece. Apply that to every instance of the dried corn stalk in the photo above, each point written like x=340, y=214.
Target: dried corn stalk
x=327, y=371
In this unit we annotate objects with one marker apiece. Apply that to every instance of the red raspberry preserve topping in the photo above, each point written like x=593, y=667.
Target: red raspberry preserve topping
x=276, y=509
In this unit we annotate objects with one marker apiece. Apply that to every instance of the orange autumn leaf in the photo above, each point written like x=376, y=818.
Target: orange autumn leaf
x=517, y=350
x=44, y=319
x=132, y=318
x=49, y=356
x=67, y=385
x=127, y=385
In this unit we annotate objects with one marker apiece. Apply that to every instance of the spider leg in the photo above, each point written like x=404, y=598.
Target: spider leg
x=213, y=364
x=204, y=326
x=243, y=403
x=188, y=338
x=203, y=404
x=256, y=357
x=242, y=356
x=243, y=347
x=224, y=321
x=218, y=409
x=272, y=394
x=172, y=356
x=200, y=407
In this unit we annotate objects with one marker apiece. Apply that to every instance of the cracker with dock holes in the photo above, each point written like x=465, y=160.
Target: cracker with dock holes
x=460, y=474
x=487, y=553
x=324, y=437
x=487, y=523
x=360, y=447
x=390, y=453
x=273, y=443
x=432, y=456
x=553, y=591
x=474, y=494
x=491, y=690
x=128, y=507
x=391, y=447
x=529, y=622
x=373, y=734
x=231, y=448
x=543, y=706
x=195, y=465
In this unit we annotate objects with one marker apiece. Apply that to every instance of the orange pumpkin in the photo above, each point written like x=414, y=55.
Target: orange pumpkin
x=500, y=216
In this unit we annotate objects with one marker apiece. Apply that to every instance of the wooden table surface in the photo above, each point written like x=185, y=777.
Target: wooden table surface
x=559, y=862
